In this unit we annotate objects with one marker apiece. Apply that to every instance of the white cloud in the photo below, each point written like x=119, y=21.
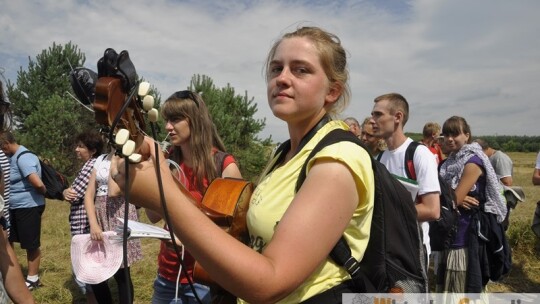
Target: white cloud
x=477, y=59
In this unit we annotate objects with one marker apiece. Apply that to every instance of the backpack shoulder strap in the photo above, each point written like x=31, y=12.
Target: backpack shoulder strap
x=280, y=152
x=409, y=160
x=341, y=253
x=22, y=153
x=379, y=156
x=332, y=137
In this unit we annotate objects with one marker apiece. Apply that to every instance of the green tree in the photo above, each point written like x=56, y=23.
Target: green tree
x=233, y=116
x=46, y=117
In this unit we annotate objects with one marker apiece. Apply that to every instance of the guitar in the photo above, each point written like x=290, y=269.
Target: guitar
x=226, y=202
x=118, y=108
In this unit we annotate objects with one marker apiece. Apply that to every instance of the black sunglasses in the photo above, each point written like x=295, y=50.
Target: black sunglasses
x=186, y=94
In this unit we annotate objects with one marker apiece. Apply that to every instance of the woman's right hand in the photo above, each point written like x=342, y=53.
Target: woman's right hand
x=96, y=234
x=69, y=194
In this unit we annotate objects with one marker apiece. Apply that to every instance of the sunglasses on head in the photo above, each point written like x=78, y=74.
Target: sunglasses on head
x=186, y=94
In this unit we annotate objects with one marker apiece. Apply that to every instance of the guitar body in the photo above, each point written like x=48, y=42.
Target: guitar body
x=226, y=202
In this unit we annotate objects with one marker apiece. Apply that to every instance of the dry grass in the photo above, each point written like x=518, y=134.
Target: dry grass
x=60, y=288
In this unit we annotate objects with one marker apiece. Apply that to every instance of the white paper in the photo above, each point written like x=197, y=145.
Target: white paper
x=410, y=184
x=142, y=230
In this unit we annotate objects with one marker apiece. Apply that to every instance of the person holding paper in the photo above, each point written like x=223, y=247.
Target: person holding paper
x=388, y=118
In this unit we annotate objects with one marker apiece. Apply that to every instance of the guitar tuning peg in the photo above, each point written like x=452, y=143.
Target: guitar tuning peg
x=135, y=158
x=144, y=87
x=121, y=137
x=148, y=103
x=128, y=148
x=153, y=115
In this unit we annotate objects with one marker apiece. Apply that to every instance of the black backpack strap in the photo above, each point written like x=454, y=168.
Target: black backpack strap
x=409, y=160
x=24, y=152
x=21, y=154
x=333, y=137
x=341, y=253
x=379, y=156
x=282, y=150
x=17, y=160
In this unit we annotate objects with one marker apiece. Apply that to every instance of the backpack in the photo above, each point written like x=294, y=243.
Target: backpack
x=391, y=262
x=54, y=181
x=443, y=230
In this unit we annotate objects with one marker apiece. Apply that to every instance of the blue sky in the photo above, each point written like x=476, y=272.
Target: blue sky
x=478, y=59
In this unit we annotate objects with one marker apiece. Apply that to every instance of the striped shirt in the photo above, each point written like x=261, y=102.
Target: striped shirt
x=78, y=219
x=5, y=165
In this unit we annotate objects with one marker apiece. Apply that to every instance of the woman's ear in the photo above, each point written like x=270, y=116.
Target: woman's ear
x=334, y=92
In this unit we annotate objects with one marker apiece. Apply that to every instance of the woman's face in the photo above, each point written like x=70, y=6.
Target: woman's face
x=82, y=152
x=179, y=131
x=297, y=85
x=454, y=142
x=368, y=136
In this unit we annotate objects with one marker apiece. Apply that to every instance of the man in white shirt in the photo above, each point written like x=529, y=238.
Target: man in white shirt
x=389, y=116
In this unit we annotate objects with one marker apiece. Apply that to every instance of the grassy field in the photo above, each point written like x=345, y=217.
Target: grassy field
x=59, y=286
x=55, y=269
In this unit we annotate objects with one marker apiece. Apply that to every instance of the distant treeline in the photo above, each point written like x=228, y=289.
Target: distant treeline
x=507, y=143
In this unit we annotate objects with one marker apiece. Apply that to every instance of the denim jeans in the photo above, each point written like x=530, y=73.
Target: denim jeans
x=164, y=292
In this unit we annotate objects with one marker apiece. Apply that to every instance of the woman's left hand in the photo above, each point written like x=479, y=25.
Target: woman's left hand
x=470, y=202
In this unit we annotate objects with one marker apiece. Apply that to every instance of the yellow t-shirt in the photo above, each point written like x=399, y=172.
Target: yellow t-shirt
x=275, y=192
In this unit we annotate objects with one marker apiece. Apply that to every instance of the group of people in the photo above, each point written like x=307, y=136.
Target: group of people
x=291, y=233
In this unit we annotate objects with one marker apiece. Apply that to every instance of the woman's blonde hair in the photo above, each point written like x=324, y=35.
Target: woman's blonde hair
x=333, y=59
x=204, y=136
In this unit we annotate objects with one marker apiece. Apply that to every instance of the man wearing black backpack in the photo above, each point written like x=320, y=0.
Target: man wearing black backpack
x=389, y=116
x=27, y=203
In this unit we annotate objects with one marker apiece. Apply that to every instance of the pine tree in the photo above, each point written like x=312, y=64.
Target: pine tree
x=46, y=117
x=233, y=116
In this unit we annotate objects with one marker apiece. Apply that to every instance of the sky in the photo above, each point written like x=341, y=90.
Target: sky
x=479, y=59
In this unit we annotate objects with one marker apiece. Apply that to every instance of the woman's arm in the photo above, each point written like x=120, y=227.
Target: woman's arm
x=536, y=177
x=11, y=272
x=112, y=188
x=469, y=177
x=303, y=239
x=231, y=170
x=89, y=205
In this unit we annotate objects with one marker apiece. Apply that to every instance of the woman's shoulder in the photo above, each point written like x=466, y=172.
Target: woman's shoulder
x=475, y=159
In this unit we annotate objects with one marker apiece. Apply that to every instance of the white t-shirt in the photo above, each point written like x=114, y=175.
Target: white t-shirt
x=425, y=167
x=538, y=161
